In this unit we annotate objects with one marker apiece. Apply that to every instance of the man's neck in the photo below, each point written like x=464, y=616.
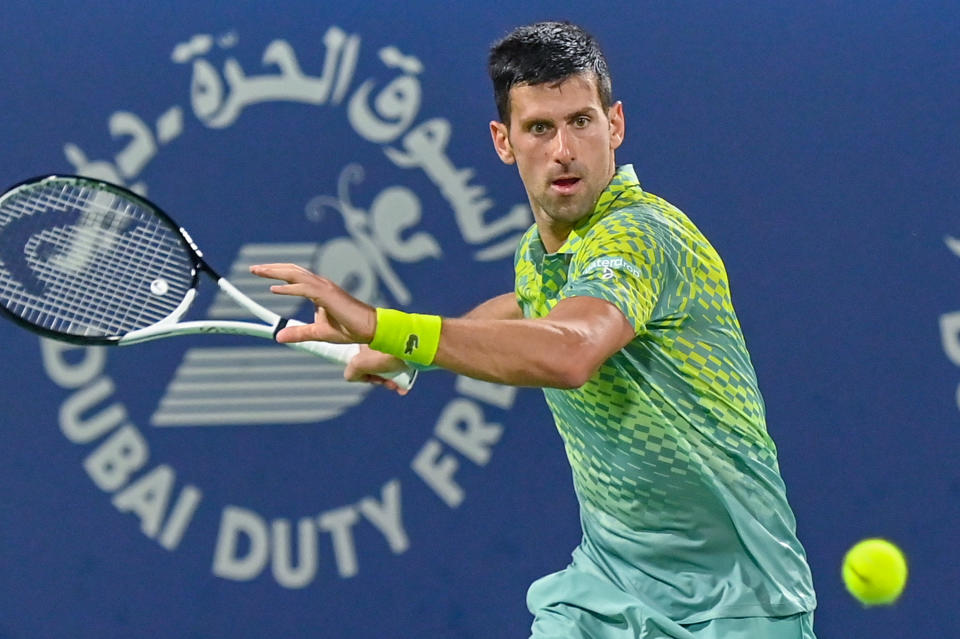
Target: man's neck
x=553, y=235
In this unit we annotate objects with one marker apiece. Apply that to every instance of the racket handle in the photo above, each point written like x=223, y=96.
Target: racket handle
x=343, y=353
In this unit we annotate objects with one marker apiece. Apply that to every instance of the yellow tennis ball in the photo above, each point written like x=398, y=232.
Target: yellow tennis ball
x=875, y=572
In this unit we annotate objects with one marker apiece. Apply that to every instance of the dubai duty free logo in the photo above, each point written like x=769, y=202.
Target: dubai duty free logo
x=214, y=385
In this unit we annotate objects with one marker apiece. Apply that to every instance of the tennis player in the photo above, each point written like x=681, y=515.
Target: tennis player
x=622, y=314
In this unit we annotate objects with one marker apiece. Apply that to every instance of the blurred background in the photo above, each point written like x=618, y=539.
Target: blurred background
x=213, y=487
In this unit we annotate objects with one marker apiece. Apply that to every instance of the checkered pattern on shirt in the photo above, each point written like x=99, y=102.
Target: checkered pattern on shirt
x=677, y=412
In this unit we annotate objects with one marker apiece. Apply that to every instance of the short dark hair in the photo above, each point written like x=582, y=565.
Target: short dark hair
x=545, y=52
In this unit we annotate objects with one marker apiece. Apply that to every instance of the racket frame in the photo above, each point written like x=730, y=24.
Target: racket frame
x=171, y=325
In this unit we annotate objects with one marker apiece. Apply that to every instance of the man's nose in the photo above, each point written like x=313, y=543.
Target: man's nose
x=563, y=148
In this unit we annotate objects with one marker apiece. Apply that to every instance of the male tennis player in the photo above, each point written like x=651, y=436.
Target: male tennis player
x=622, y=314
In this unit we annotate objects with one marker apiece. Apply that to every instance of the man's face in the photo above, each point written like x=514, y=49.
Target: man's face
x=562, y=141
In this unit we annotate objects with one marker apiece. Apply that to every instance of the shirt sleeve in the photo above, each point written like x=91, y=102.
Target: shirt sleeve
x=620, y=262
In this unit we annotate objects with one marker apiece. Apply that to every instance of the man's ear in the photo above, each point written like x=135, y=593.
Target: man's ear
x=617, y=125
x=501, y=142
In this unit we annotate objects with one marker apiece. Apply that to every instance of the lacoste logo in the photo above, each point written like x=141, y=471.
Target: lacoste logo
x=413, y=341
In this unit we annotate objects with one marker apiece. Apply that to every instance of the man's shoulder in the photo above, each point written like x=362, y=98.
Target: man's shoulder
x=640, y=214
x=637, y=203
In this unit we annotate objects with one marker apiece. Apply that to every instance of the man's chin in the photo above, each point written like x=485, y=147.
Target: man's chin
x=571, y=209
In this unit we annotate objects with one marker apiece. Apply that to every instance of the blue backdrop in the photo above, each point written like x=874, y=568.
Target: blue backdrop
x=223, y=488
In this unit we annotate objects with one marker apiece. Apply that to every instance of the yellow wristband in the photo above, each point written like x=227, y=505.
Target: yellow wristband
x=408, y=336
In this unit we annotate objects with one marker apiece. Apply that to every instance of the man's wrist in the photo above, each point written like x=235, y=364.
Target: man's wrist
x=409, y=336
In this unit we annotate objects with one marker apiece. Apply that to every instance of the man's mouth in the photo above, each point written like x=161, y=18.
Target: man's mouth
x=567, y=184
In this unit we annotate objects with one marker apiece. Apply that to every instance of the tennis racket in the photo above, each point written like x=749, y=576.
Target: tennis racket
x=89, y=262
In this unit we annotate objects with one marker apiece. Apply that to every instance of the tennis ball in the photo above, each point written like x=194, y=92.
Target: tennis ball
x=875, y=572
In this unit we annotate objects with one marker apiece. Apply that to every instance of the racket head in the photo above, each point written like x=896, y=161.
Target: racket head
x=87, y=261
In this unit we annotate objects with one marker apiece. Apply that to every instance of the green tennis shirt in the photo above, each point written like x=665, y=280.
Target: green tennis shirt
x=681, y=499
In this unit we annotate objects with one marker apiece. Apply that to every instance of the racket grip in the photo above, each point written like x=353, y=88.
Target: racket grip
x=343, y=353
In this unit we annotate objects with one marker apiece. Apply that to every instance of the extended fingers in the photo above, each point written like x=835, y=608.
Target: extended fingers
x=350, y=318
x=308, y=333
x=299, y=281
x=282, y=271
x=291, y=289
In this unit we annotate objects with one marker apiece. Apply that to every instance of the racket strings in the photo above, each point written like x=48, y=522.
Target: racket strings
x=95, y=298
x=96, y=265
x=101, y=293
x=116, y=290
x=98, y=300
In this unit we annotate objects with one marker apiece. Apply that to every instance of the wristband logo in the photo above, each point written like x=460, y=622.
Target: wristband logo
x=235, y=387
x=413, y=342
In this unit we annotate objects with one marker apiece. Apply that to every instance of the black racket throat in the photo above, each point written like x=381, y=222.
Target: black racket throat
x=280, y=326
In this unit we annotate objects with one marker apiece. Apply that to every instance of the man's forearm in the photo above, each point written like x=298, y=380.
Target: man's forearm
x=561, y=350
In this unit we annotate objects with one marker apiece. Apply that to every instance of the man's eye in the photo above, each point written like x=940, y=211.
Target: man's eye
x=539, y=127
x=582, y=121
